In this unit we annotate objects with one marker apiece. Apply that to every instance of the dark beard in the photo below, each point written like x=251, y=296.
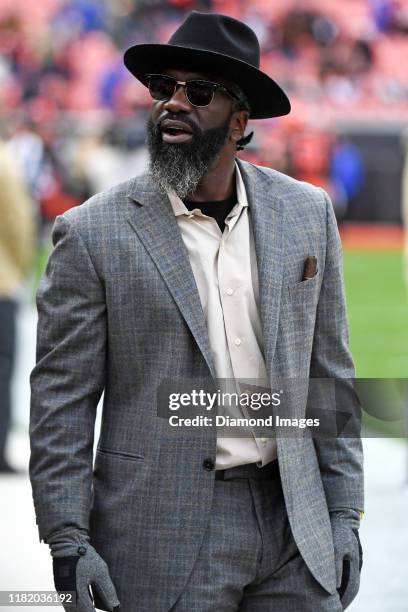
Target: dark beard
x=179, y=167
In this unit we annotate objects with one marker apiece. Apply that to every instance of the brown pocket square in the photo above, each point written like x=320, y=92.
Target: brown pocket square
x=309, y=268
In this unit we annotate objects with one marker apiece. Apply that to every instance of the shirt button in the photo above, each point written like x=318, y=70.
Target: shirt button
x=237, y=341
x=230, y=291
x=208, y=464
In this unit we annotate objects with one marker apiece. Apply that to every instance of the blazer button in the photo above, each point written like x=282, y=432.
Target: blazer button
x=81, y=550
x=208, y=464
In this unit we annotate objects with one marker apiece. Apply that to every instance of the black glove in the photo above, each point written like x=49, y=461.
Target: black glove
x=77, y=566
x=348, y=553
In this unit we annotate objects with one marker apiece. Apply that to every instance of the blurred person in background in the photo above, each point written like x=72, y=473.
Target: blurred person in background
x=404, y=203
x=37, y=152
x=103, y=157
x=17, y=244
x=347, y=173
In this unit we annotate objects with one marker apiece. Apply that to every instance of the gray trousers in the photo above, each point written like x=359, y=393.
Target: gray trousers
x=249, y=561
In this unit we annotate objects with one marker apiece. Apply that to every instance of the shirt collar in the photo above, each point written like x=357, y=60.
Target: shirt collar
x=179, y=208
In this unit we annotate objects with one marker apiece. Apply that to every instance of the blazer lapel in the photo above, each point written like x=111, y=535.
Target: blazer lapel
x=267, y=216
x=154, y=222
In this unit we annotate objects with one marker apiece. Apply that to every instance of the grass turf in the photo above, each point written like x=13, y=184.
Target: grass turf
x=377, y=305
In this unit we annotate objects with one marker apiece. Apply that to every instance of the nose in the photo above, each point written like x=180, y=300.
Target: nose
x=178, y=101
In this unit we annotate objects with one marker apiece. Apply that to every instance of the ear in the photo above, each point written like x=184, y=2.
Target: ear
x=238, y=125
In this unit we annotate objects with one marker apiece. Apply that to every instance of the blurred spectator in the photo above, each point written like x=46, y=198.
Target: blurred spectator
x=347, y=175
x=310, y=155
x=43, y=162
x=17, y=240
x=102, y=159
x=81, y=16
x=61, y=69
x=384, y=13
x=404, y=204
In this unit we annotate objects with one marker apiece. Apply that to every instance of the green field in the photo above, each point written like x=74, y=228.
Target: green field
x=378, y=313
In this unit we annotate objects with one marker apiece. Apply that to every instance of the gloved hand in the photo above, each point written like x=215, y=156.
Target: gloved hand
x=348, y=553
x=77, y=565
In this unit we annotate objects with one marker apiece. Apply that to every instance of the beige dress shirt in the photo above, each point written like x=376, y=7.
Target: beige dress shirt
x=225, y=270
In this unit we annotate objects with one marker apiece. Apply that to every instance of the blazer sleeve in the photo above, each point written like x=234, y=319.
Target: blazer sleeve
x=340, y=458
x=66, y=382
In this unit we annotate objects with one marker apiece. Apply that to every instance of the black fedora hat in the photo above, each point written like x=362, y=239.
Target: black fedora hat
x=215, y=44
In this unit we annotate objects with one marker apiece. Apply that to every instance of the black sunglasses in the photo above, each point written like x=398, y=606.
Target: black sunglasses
x=198, y=92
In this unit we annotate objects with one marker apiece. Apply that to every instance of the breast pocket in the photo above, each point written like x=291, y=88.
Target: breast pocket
x=304, y=289
x=298, y=311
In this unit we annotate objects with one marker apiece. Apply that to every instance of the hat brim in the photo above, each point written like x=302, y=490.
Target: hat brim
x=265, y=96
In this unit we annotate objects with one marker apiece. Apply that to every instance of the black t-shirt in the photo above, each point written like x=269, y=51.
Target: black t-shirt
x=219, y=209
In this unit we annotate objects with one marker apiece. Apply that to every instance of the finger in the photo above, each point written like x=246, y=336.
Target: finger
x=344, y=578
x=84, y=598
x=352, y=586
x=106, y=590
x=360, y=550
x=84, y=604
x=339, y=569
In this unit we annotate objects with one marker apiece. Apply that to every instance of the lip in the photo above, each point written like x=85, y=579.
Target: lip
x=183, y=133
x=177, y=125
x=175, y=138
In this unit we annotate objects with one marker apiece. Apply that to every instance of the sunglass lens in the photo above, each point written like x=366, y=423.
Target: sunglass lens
x=199, y=93
x=160, y=87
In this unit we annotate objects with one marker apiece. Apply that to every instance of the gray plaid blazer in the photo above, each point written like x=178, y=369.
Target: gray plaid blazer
x=119, y=311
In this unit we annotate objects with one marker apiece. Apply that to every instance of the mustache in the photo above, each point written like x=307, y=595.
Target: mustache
x=179, y=117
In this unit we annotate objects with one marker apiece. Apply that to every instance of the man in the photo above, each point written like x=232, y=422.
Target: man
x=194, y=271
x=17, y=246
